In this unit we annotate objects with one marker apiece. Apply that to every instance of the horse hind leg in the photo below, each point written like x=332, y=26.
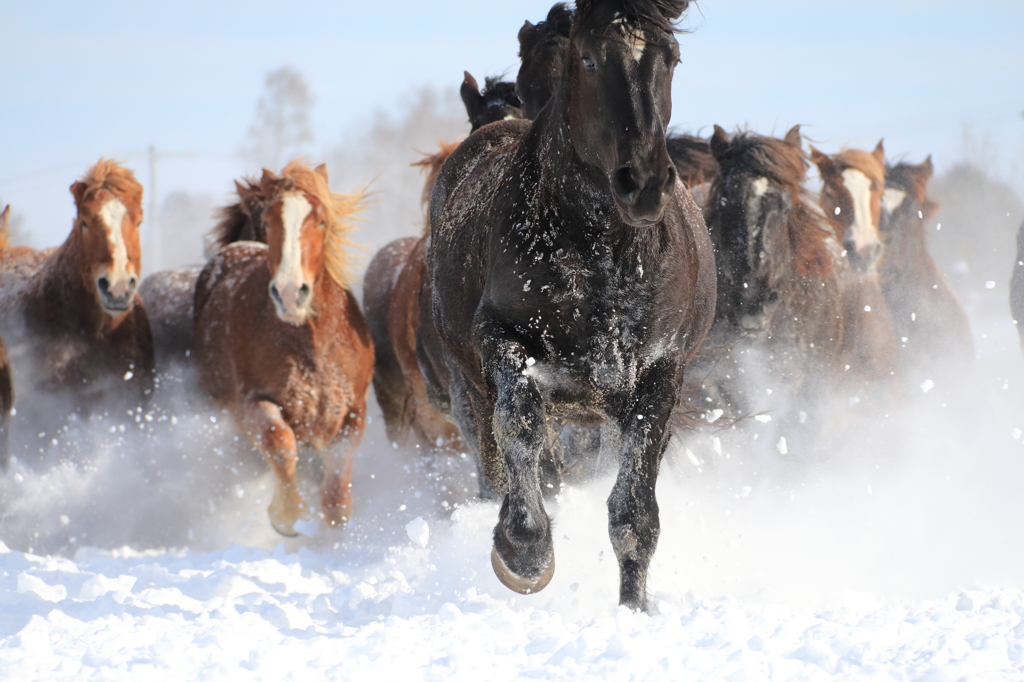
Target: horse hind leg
x=338, y=458
x=276, y=441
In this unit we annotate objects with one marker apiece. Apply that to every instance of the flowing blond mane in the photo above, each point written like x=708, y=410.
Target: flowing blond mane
x=342, y=211
x=110, y=175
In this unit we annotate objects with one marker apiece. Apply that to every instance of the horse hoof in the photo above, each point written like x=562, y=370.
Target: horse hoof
x=288, y=532
x=518, y=583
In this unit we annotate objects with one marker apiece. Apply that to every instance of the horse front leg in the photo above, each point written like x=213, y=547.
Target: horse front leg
x=523, y=555
x=275, y=439
x=633, y=522
x=338, y=458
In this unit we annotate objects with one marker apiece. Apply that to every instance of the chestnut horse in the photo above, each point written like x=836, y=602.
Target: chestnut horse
x=927, y=316
x=851, y=197
x=168, y=294
x=790, y=308
x=280, y=342
x=71, y=317
x=570, y=277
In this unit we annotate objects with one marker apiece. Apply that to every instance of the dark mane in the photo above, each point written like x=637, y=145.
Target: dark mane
x=241, y=220
x=661, y=14
x=503, y=92
x=692, y=158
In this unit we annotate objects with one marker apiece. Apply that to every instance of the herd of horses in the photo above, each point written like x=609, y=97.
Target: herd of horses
x=576, y=260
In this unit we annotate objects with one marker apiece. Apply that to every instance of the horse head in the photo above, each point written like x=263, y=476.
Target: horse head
x=906, y=194
x=496, y=102
x=542, y=50
x=108, y=199
x=306, y=237
x=757, y=223
x=851, y=196
x=618, y=76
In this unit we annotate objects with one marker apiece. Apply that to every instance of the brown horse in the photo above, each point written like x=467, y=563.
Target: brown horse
x=927, y=316
x=280, y=342
x=791, y=309
x=73, y=312
x=391, y=298
x=851, y=197
x=169, y=294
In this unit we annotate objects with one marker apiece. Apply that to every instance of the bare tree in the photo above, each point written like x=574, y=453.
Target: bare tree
x=281, y=127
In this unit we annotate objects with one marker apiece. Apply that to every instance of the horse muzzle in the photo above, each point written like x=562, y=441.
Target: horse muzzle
x=640, y=195
x=116, y=297
x=864, y=258
x=292, y=301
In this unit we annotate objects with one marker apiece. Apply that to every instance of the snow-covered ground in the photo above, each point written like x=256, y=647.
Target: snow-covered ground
x=144, y=552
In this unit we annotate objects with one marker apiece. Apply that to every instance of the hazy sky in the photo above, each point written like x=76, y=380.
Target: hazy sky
x=84, y=80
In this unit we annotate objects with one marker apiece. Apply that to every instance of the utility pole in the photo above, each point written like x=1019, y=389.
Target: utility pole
x=153, y=260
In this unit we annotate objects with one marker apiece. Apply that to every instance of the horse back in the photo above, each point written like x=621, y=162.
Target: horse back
x=168, y=297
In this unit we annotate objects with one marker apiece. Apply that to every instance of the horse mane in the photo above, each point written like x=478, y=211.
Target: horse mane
x=497, y=90
x=431, y=164
x=786, y=165
x=556, y=26
x=342, y=211
x=110, y=175
x=865, y=162
x=692, y=158
x=595, y=14
x=232, y=220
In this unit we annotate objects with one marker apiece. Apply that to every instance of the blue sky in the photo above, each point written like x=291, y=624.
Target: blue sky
x=80, y=81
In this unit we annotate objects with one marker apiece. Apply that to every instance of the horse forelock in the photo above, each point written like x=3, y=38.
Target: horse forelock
x=866, y=162
x=910, y=178
x=110, y=175
x=341, y=211
x=631, y=15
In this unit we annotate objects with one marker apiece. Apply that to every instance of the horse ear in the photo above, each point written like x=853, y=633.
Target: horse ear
x=5, y=224
x=719, y=141
x=78, y=191
x=823, y=162
x=927, y=168
x=880, y=151
x=527, y=36
x=321, y=170
x=471, y=97
x=793, y=136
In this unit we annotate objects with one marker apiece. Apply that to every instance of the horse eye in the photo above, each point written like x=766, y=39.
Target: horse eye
x=588, y=62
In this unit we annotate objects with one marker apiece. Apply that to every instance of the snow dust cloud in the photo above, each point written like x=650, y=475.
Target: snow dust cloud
x=910, y=507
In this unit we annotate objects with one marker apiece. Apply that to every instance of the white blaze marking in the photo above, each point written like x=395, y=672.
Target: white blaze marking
x=863, y=228
x=293, y=213
x=760, y=186
x=637, y=45
x=112, y=214
x=892, y=198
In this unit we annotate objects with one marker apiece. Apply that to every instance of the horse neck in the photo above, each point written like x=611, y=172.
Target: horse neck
x=909, y=249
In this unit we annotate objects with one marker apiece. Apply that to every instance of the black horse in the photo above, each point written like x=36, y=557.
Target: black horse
x=496, y=102
x=570, y=277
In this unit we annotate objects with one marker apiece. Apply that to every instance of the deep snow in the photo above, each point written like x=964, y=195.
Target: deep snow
x=146, y=553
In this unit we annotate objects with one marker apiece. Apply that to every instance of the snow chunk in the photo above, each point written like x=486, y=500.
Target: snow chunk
x=30, y=583
x=781, y=445
x=418, y=531
x=927, y=385
x=763, y=418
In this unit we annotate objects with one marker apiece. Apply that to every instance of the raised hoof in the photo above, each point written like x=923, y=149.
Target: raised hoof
x=285, y=510
x=518, y=583
x=286, y=530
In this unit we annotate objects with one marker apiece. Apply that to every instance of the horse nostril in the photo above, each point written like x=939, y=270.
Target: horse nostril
x=670, y=179
x=104, y=285
x=303, y=294
x=276, y=295
x=625, y=185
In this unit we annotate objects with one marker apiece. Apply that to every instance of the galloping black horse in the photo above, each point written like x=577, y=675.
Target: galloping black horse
x=571, y=277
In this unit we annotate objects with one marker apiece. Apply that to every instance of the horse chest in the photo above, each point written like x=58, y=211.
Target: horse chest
x=590, y=316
